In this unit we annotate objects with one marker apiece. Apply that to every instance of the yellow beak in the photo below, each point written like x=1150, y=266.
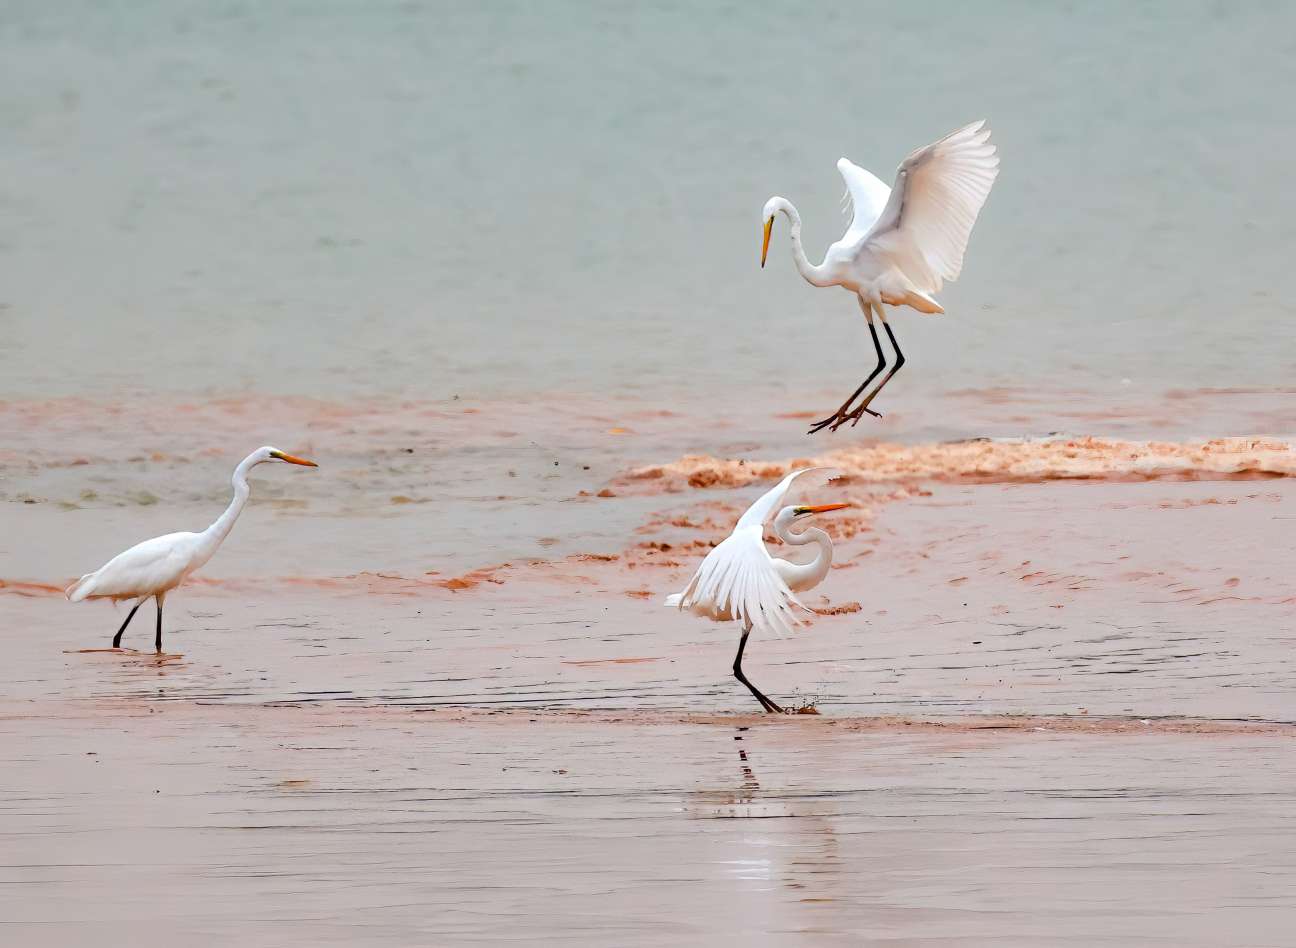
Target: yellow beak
x=292, y=459
x=824, y=508
x=769, y=227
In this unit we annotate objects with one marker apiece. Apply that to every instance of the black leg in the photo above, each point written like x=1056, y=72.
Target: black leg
x=864, y=405
x=158, y=643
x=117, y=637
x=840, y=415
x=766, y=703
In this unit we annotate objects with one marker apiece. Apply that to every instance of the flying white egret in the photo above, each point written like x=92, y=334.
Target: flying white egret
x=156, y=566
x=903, y=242
x=739, y=580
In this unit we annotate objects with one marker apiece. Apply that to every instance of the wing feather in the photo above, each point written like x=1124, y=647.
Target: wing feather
x=737, y=581
x=866, y=197
x=769, y=501
x=939, y=191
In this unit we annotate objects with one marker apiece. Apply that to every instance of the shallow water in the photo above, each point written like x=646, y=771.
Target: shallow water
x=1136, y=599
x=294, y=827
x=340, y=199
x=300, y=769
x=495, y=268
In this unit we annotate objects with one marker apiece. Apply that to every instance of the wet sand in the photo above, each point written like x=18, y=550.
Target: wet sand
x=179, y=823
x=1053, y=677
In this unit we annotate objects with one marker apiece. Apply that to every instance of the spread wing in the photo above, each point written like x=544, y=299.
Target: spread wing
x=939, y=191
x=866, y=195
x=737, y=581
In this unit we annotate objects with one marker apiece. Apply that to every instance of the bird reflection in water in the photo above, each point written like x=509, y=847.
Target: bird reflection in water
x=796, y=846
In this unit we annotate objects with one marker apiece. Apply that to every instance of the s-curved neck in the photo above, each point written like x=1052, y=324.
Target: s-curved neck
x=220, y=529
x=813, y=274
x=800, y=576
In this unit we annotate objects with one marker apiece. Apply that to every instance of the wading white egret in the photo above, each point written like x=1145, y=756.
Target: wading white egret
x=739, y=581
x=156, y=566
x=903, y=242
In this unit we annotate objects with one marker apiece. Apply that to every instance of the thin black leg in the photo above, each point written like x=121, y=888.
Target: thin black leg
x=900, y=360
x=766, y=703
x=840, y=415
x=157, y=645
x=117, y=637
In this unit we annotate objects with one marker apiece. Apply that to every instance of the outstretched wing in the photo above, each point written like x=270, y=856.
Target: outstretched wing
x=737, y=581
x=867, y=196
x=769, y=502
x=939, y=191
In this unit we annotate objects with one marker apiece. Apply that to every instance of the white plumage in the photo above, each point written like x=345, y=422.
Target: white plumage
x=155, y=567
x=866, y=197
x=923, y=229
x=904, y=242
x=740, y=581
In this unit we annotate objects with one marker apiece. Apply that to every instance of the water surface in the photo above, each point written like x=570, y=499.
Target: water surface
x=486, y=200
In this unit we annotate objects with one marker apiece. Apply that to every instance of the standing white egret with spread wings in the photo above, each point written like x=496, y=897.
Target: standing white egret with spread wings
x=155, y=567
x=904, y=242
x=739, y=581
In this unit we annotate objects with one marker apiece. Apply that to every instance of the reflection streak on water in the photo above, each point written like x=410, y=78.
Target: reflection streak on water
x=347, y=827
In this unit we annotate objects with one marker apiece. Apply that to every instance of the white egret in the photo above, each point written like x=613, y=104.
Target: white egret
x=156, y=566
x=903, y=242
x=739, y=580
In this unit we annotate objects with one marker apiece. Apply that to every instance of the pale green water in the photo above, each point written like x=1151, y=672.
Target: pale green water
x=348, y=198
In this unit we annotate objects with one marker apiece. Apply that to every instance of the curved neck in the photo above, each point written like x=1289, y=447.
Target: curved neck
x=805, y=576
x=812, y=274
x=220, y=529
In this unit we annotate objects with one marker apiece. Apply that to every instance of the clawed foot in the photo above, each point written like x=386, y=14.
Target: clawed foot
x=856, y=415
x=835, y=421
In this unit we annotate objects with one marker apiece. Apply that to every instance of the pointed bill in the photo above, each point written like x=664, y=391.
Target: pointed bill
x=292, y=459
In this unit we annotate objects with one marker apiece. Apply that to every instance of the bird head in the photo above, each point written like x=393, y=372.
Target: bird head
x=771, y=208
x=799, y=514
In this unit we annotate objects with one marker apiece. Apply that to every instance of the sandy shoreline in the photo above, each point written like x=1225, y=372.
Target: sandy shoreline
x=327, y=713
x=162, y=822
x=1094, y=593
x=1047, y=671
